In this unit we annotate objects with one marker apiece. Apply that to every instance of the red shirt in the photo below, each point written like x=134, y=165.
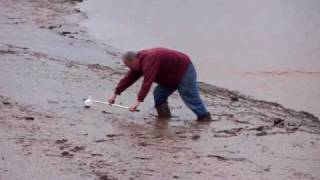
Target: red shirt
x=163, y=66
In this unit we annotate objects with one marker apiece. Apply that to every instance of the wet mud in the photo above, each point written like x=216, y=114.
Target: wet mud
x=43, y=121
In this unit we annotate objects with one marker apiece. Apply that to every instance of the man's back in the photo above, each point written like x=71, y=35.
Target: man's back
x=163, y=66
x=170, y=67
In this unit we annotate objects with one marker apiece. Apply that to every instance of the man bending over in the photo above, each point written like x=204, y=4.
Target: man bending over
x=171, y=70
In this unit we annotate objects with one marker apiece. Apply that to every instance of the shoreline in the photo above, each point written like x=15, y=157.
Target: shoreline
x=49, y=63
x=235, y=58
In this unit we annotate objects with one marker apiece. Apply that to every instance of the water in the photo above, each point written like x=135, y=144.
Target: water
x=266, y=49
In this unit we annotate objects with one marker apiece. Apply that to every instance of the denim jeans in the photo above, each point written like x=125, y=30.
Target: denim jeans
x=188, y=90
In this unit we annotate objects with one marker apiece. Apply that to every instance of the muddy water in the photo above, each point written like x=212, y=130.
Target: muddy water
x=267, y=49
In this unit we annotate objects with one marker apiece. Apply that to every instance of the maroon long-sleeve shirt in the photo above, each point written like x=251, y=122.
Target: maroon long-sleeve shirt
x=163, y=66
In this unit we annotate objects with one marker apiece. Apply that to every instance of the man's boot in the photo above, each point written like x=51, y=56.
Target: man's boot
x=205, y=118
x=163, y=111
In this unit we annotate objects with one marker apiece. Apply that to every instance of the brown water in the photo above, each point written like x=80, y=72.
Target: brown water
x=266, y=49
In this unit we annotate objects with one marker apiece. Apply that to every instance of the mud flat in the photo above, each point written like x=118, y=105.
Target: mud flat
x=48, y=64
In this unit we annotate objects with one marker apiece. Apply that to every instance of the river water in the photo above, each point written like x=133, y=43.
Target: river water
x=266, y=49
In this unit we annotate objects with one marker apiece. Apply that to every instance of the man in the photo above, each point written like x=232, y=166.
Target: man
x=171, y=70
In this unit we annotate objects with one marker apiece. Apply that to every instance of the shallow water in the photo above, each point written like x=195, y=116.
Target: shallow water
x=266, y=49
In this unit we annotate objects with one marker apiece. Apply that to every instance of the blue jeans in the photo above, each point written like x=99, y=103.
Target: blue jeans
x=188, y=90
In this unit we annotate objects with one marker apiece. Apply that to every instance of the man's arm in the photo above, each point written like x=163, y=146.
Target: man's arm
x=150, y=71
x=127, y=81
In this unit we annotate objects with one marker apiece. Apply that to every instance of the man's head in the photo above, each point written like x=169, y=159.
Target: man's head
x=131, y=60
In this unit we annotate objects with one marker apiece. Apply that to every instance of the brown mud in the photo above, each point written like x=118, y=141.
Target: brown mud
x=48, y=64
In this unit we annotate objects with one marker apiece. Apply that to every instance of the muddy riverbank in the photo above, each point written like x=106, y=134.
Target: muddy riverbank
x=48, y=64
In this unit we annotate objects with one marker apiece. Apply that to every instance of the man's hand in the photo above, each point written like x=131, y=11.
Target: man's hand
x=112, y=99
x=134, y=107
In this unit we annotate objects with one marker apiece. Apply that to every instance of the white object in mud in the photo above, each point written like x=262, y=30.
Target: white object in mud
x=89, y=102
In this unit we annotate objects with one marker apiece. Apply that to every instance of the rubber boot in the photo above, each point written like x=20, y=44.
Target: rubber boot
x=205, y=118
x=163, y=111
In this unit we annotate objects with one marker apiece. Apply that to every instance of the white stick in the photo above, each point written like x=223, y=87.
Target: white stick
x=117, y=105
x=88, y=102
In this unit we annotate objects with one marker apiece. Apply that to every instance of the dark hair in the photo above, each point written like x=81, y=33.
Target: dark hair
x=129, y=56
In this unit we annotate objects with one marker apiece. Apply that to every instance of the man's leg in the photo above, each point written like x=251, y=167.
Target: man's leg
x=161, y=95
x=189, y=92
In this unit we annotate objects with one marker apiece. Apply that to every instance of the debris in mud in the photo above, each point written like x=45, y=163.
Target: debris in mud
x=278, y=122
x=234, y=98
x=64, y=33
x=66, y=154
x=6, y=102
x=61, y=141
x=292, y=124
x=175, y=177
x=143, y=158
x=309, y=116
x=228, y=132
x=292, y=129
x=113, y=135
x=52, y=102
x=222, y=158
x=263, y=133
x=100, y=140
x=106, y=177
x=77, y=10
x=54, y=27
x=144, y=144
x=7, y=52
x=73, y=1
x=96, y=154
x=48, y=116
x=260, y=128
x=78, y=148
x=195, y=137
x=180, y=134
x=105, y=112
x=29, y=118
x=98, y=67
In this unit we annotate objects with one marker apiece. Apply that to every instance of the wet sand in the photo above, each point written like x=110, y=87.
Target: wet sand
x=48, y=64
